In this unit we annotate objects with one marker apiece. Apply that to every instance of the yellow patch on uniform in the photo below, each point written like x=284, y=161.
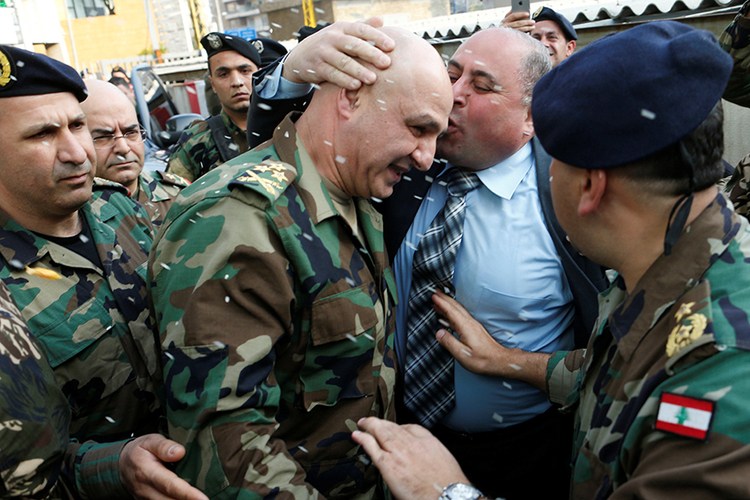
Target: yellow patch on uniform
x=689, y=328
x=43, y=272
x=271, y=176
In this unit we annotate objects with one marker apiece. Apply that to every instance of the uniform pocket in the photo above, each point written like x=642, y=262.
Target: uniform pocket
x=338, y=361
x=346, y=314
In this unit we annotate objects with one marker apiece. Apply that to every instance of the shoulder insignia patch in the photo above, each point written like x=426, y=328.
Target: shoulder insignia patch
x=173, y=179
x=685, y=416
x=102, y=184
x=688, y=329
x=270, y=178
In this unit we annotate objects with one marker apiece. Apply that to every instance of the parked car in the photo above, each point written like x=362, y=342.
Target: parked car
x=158, y=115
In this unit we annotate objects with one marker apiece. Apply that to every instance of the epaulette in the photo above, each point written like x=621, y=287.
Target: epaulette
x=104, y=184
x=172, y=179
x=269, y=178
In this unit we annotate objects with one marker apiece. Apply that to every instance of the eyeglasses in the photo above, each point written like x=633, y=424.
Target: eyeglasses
x=107, y=141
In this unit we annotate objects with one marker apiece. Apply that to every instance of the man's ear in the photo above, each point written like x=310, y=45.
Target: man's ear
x=570, y=47
x=593, y=187
x=528, y=124
x=348, y=101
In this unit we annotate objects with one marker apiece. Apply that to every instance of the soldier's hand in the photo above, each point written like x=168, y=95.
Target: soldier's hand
x=520, y=21
x=143, y=472
x=329, y=55
x=478, y=352
x=411, y=460
x=472, y=346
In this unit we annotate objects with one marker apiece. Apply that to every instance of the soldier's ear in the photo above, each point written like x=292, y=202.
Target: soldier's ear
x=593, y=186
x=349, y=101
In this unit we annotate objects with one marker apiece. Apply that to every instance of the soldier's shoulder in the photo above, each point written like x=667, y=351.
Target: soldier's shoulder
x=103, y=186
x=268, y=178
x=169, y=179
x=195, y=132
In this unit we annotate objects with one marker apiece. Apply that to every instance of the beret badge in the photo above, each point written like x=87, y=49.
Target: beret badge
x=214, y=41
x=6, y=70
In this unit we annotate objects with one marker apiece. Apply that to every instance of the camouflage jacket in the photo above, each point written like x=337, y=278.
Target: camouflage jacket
x=276, y=328
x=34, y=414
x=196, y=151
x=736, y=40
x=93, y=323
x=681, y=334
x=156, y=192
x=738, y=187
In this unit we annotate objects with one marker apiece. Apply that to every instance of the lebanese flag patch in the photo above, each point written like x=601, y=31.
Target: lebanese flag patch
x=685, y=416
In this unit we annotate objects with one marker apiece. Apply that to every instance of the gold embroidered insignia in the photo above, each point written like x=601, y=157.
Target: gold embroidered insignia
x=273, y=187
x=5, y=69
x=688, y=330
x=538, y=11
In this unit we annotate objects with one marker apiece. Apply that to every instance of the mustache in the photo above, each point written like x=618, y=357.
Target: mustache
x=66, y=170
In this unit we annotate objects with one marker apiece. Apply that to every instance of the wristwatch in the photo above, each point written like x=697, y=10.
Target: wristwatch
x=460, y=491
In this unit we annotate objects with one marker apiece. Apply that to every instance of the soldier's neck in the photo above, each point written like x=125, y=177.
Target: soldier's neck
x=239, y=118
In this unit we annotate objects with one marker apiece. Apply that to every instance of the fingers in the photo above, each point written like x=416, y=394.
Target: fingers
x=337, y=54
x=169, y=485
x=164, y=449
x=145, y=475
x=454, y=346
x=451, y=309
x=518, y=21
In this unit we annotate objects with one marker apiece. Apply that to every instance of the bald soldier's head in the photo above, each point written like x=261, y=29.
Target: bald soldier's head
x=364, y=140
x=113, y=124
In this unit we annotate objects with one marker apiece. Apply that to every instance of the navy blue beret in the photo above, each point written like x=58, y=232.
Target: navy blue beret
x=547, y=14
x=28, y=73
x=269, y=50
x=219, y=42
x=629, y=95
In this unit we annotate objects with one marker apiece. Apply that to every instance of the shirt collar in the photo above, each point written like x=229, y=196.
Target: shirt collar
x=504, y=177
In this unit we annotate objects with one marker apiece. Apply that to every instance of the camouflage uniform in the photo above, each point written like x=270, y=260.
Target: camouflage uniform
x=683, y=330
x=738, y=187
x=736, y=40
x=157, y=191
x=93, y=325
x=276, y=329
x=34, y=414
x=196, y=152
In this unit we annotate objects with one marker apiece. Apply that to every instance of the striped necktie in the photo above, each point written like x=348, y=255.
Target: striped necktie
x=429, y=390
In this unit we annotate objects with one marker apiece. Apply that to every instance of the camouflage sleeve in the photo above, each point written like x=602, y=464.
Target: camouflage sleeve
x=222, y=306
x=667, y=466
x=92, y=469
x=738, y=187
x=179, y=160
x=563, y=371
x=34, y=414
x=736, y=40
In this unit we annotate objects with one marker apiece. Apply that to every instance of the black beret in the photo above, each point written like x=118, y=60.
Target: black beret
x=269, y=50
x=28, y=73
x=547, y=14
x=219, y=42
x=629, y=95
